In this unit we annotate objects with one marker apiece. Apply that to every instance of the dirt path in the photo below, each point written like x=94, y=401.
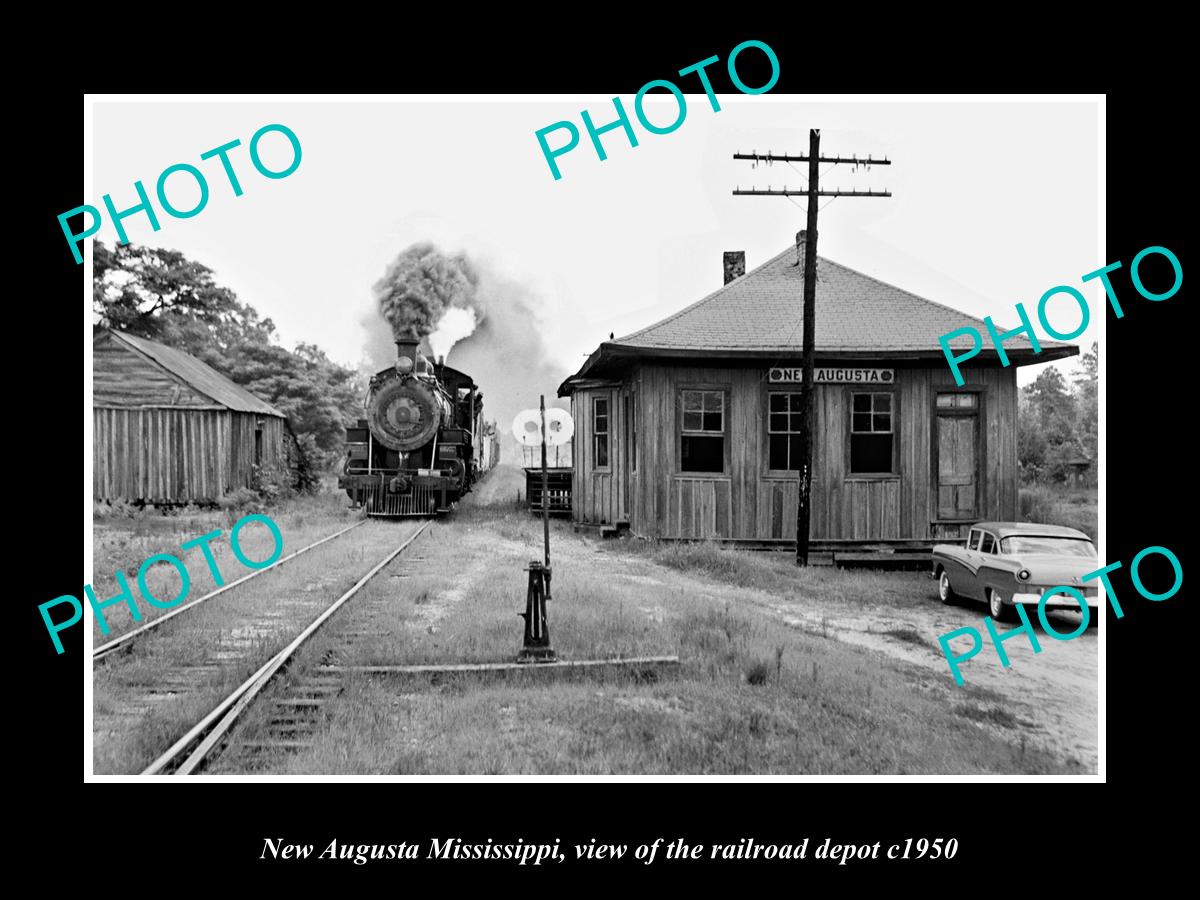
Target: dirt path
x=1051, y=695
x=498, y=487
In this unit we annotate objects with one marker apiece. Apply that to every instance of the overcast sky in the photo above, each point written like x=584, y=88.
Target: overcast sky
x=994, y=202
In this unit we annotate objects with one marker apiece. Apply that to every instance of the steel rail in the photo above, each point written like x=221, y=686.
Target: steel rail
x=228, y=710
x=112, y=646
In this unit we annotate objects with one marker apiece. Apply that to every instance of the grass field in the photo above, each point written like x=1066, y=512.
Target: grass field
x=752, y=695
x=121, y=542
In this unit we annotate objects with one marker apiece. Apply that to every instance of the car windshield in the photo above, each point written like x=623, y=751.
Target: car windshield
x=1064, y=546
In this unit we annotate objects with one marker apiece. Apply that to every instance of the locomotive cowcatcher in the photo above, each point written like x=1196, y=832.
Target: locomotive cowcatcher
x=415, y=454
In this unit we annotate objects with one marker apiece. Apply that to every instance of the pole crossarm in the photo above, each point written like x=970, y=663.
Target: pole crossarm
x=756, y=192
x=775, y=157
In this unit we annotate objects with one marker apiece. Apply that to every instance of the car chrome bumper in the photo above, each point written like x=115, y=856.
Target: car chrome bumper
x=1057, y=601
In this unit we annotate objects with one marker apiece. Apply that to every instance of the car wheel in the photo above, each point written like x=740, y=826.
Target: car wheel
x=1001, y=611
x=945, y=592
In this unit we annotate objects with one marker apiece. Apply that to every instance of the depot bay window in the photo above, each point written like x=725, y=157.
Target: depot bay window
x=872, y=433
x=702, y=431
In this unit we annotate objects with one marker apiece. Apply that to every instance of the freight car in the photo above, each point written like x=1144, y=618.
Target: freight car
x=559, y=475
x=423, y=443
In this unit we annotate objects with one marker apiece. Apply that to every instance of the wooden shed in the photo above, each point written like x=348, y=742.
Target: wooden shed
x=689, y=427
x=170, y=429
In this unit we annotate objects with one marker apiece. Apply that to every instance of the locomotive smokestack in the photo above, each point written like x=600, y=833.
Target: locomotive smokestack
x=406, y=354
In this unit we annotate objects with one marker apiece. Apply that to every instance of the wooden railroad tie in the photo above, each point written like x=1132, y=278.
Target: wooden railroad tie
x=655, y=664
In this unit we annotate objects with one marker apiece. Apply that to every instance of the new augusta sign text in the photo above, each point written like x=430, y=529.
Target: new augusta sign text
x=780, y=375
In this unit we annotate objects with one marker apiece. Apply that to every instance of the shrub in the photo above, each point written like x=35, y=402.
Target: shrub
x=243, y=498
x=115, y=509
x=1035, y=505
x=759, y=672
x=270, y=483
x=305, y=461
x=1060, y=505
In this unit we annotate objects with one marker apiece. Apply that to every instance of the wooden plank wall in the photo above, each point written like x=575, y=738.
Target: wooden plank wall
x=162, y=454
x=744, y=502
x=665, y=503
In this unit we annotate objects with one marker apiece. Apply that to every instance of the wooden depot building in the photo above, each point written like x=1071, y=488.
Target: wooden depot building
x=689, y=427
x=168, y=428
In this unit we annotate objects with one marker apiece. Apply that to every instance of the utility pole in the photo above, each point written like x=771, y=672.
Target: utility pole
x=814, y=159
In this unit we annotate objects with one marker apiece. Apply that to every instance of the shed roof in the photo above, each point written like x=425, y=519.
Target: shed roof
x=198, y=375
x=857, y=316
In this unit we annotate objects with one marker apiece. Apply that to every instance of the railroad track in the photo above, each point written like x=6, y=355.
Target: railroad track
x=190, y=752
x=107, y=649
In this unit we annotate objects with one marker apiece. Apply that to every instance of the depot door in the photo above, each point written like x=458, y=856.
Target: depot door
x=956, y=463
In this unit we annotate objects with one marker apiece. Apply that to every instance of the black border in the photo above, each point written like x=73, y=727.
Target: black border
x=1035, y=827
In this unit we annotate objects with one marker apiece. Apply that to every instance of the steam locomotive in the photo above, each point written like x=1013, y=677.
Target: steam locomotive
x=423, y=443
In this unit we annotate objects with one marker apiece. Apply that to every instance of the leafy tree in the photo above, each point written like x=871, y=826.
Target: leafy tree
x=163, y=295
x=1050, y=399
x=1031, y=441
x=1057, y=422
x=1087, y=408
x=318, y=396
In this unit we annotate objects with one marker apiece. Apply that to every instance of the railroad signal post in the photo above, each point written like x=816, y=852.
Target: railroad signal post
x=536, y=647
x=812, y=192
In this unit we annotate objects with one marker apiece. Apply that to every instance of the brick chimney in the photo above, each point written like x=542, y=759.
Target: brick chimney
x=735, y=264
x=801, y=241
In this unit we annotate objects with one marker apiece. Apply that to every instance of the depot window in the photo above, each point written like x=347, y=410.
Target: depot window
x=872, y=433
x=785, y=422
x=702, y=431
x=600, y=431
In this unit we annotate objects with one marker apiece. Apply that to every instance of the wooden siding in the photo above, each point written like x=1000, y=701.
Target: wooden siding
x=747, y=501
x=159, y=454
x=122, y=377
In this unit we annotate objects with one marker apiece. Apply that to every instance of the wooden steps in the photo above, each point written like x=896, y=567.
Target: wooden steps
x=883, y=559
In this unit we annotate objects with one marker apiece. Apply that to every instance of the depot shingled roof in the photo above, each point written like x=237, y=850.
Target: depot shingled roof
x=857, y=317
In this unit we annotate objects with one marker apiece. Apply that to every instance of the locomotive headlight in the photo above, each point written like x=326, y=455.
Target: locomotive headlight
x=404, y=364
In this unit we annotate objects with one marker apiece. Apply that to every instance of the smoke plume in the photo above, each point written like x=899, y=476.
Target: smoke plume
x=485, y=325
x=455, y=324
x=420, y=286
